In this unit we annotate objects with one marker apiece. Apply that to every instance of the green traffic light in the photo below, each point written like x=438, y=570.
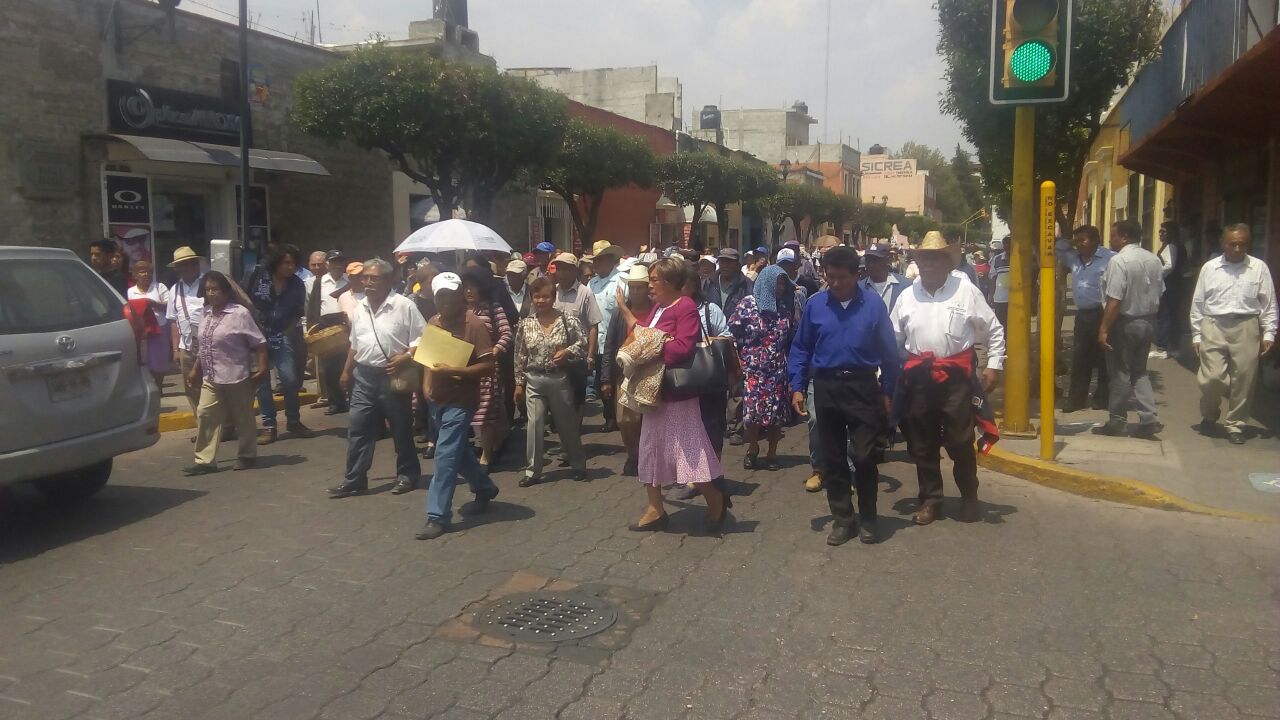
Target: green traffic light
x=1031, y=61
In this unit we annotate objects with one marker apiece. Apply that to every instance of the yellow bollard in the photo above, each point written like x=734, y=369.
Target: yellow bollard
x=1048, y=313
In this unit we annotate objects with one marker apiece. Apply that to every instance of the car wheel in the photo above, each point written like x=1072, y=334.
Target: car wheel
x=76, y=485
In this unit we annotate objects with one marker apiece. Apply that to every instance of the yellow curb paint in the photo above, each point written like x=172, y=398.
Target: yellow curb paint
x=1112, y=488
x=170, y=422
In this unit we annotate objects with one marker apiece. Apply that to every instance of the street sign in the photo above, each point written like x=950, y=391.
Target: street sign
x=1030, y=51
x=1048, y=224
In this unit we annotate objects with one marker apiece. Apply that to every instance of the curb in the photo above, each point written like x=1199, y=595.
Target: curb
x=1112, y=488
x=174, y=421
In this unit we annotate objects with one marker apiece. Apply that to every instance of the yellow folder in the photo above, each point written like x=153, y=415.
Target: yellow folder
x=439, y=347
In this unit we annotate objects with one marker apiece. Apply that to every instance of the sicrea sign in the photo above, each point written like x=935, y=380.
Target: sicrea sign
x=886, y=167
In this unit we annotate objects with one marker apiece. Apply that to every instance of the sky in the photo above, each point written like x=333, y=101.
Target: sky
x=885, y=73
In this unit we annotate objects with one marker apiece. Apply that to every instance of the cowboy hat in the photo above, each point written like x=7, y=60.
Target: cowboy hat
x=934, y=242
x=184, y=254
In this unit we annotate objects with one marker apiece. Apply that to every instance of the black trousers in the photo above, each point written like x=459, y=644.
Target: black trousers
x=851, y=422
x=1086, y=356
x=939, y=415
x=608, y=403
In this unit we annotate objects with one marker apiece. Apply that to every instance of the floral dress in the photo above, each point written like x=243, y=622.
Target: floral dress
x=492, y=410
x=762, y=339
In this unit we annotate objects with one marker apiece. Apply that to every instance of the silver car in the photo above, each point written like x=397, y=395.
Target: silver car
x=73, y=391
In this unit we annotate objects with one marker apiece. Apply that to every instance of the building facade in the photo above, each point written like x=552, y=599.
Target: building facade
x=898, y=182
x=121, y=120
x=1200, y=118
x=636, y=93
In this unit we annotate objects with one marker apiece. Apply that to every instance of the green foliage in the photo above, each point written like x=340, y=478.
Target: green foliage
x=592, y=160
x=702, y=179
x=464, y=132
x=1110, y=39
x=878, y=220
x=798, y=203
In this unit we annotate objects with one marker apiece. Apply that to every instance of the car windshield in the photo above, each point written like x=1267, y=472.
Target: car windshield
x=40, y=296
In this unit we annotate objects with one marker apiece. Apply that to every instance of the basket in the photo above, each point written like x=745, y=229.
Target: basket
x=328, y=341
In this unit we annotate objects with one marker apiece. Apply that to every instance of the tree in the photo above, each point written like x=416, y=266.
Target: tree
x=703, y=179
x=464, y=132
x=878, y=220
x=592, y=160
x=947, y=188
x=798, y=203
x=1111, y=38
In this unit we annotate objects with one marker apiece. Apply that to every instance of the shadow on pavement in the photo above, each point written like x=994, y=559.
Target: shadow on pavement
x=988, y=512
x=887, y=525
x=270, y=461
x=31, y=525
x=499, y=512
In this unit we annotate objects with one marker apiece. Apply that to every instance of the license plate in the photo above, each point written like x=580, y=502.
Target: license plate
x=67, y=386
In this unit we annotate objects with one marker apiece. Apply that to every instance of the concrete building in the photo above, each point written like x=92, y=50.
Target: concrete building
x=637, y=93
x=121, y=119
x=778, y=135
x=897, y=182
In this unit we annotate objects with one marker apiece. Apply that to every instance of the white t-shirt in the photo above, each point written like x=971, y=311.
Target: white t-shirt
x=157, y=293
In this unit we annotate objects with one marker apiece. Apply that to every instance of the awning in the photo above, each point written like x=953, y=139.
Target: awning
x=1232, y=112
x=181, y=151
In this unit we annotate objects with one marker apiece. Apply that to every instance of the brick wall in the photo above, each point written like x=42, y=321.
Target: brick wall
x=55, y=56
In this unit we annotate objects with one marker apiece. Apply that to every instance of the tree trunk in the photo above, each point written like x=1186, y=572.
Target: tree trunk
x=722, y=223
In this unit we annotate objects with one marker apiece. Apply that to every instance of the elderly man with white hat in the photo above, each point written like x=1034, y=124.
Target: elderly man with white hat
x=385, y=329
x=604, y=286
x=186, y=304
x=454, y=394
x=938, y=321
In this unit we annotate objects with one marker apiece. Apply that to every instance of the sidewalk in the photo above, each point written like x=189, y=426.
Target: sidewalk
x=1181, y=462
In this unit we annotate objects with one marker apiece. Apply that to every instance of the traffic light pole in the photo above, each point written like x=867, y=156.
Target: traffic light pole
x=1017, y=378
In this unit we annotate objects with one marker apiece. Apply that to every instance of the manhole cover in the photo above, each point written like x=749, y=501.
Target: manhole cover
x=547, y=617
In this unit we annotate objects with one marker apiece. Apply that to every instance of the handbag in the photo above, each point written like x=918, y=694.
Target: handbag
x=406, y=380
x=576, y=370
x=703, y=373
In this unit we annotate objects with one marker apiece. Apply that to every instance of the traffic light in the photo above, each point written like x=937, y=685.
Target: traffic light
x=1030, y=51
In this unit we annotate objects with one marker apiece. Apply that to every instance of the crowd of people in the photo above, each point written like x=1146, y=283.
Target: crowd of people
x=683, y=352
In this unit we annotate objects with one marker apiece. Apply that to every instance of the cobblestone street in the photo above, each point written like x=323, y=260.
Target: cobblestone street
x=252, y=595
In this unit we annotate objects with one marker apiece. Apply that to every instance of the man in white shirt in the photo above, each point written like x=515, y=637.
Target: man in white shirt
x=323, y=311
x=1131, y=288
x=1233, y=323
x=186, y=306
x=576, y=299
x=385, y=330
x=938, y=320
x=1171, y=259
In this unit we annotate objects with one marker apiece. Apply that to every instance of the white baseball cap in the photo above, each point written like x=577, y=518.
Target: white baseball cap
x=445, y=281
x=786, y=255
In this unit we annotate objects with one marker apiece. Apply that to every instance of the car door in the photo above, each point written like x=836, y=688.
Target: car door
x=68, y=359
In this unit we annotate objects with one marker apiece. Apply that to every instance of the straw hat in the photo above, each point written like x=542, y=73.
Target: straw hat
x=826, y=241
x=184, y=254
x=934, y=242
x=638, y=274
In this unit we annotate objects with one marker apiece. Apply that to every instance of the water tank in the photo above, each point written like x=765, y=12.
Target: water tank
x=876, y=150
x=709, y=118
x=801, y=107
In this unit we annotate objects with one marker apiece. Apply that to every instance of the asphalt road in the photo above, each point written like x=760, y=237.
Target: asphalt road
x=252, y=595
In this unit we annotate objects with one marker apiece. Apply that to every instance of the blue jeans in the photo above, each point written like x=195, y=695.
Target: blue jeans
x=454, y=458
x=280, y=354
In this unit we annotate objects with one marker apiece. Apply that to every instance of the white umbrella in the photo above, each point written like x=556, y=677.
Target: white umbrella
x=453, y=235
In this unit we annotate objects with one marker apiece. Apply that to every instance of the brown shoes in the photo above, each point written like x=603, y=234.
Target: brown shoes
x=266, y=436
x=814, y=483
x=927, y=513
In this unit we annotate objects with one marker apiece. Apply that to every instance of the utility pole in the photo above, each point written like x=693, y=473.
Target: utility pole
x=244, y=129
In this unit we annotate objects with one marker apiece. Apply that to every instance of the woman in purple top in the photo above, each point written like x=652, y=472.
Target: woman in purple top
x=231, y=356
x=674, y=448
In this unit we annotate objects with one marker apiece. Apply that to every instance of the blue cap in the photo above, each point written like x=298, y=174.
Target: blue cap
x=762, y=250
x=545, y=247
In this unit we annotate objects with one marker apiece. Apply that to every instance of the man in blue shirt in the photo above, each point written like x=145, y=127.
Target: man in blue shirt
x=880, y=278
x=279, y=303
x=1088, y=264
x=604, y=285
x=845, y=335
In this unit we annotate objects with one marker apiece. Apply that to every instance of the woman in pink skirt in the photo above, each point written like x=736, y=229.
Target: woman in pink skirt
x=674, y=448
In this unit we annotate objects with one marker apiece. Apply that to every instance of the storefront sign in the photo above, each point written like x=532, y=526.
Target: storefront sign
x=128, y=199
x=45, y=170
x=882, y=166
x=159, y=112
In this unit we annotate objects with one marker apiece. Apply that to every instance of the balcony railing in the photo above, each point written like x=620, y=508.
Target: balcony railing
x=1202, y=42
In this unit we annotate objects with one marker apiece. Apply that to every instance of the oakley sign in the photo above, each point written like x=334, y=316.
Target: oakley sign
x=159, y=112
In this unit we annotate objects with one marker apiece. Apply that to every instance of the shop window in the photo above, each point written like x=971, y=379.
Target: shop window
x=229, y=77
